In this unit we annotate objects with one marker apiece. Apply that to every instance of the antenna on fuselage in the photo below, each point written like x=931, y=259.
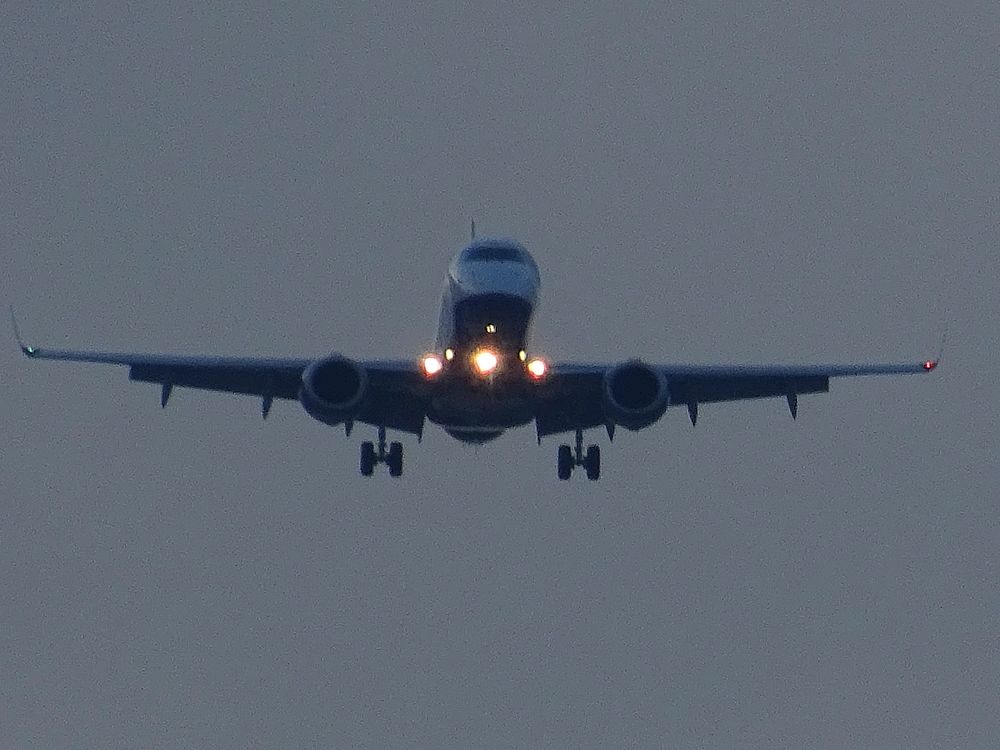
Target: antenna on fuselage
x=473, y=229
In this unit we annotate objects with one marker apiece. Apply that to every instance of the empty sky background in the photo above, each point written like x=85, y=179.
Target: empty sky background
x=698, y=182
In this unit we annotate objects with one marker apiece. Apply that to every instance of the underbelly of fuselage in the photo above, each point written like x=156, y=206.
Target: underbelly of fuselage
x=477, y=412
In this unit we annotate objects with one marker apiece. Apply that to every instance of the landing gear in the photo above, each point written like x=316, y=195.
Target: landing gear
x=567, y=459
x=372, y=455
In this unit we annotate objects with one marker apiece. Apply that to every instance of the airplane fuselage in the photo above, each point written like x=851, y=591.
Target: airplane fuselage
x=489, y=297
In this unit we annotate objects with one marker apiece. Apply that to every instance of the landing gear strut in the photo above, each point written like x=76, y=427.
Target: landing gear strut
x=567, y=459
x=371, y=455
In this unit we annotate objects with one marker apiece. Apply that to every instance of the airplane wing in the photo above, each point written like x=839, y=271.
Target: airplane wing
x=275, y=378
x=396, y=401
x=574, y=395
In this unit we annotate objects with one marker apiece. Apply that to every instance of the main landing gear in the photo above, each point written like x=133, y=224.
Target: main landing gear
x=568, y=459
x=372, y=455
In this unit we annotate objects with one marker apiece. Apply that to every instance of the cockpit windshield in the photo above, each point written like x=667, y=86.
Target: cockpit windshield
x=497, y=250
x=493, y=252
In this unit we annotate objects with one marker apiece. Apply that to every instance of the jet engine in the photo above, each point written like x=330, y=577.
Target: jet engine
x=635, y=395
x=333, y=389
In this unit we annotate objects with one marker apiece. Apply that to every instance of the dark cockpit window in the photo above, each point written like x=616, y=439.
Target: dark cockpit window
x=493, y=252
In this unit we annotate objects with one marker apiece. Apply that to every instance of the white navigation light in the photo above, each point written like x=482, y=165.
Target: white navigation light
x=485, y=361
x=432, y=365
x=491, y=328
x=449, y=354
x=537, y=368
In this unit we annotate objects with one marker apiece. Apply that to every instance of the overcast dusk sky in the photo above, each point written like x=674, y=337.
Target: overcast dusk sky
x=705, y=182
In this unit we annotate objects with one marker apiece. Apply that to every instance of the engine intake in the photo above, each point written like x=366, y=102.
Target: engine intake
x=333, y=389
x=635, y=395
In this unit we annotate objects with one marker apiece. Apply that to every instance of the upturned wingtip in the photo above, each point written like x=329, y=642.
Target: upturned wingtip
x=932, y=363
x=28, y=351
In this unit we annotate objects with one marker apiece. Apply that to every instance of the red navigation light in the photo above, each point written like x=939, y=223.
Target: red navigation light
x=930, y=364
x=432, y=365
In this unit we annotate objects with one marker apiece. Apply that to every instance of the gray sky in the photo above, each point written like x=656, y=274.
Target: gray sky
x=702, y=182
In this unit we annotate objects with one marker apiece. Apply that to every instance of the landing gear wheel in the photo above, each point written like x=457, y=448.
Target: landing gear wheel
x=592, y=463
x=395, y=459
x=368, y=458
x=564, y=462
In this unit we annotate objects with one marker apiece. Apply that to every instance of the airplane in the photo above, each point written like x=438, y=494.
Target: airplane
x=479, y=379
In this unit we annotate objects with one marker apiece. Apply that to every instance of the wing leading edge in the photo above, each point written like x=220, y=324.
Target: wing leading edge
x=267, y=378
x=574, y=400
x=701, y=384
x=395, y=401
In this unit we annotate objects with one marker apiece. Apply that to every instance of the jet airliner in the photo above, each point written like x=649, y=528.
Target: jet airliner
x=480, y=378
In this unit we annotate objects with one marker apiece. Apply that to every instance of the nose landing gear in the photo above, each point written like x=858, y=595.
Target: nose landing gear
x=372, y=455
x=567, y=459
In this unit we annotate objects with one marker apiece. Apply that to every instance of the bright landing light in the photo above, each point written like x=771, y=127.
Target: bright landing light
x=537, y=368
x=432, y=365
x=485, y=361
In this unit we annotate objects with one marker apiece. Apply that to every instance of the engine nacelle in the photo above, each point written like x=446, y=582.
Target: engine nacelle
x=333, y=389
x=635, y=395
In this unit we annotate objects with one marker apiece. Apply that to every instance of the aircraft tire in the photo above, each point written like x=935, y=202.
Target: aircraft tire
x=368, y=459
x=395, y=459
x=593, y=463
x=564, y=462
